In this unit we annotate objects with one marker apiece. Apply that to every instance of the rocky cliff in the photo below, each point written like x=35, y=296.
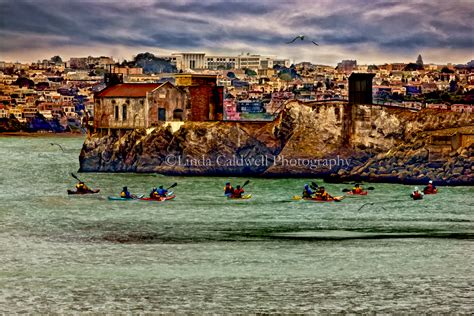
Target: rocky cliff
x=336, y=141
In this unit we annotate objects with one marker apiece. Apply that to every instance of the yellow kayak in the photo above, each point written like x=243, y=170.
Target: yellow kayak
x=334, y=199
x=244, y=197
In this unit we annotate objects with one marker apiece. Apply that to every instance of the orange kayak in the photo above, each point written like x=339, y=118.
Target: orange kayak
x=361, y=193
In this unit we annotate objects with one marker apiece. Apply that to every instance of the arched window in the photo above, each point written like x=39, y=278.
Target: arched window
x=124, y=112
x=116, y=112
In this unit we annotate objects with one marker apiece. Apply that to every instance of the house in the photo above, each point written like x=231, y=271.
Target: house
x=126, y=106
x=122, y=106
x=167, y=103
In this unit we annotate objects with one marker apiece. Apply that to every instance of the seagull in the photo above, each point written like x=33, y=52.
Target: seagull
x=53, y=144
x=301, y=37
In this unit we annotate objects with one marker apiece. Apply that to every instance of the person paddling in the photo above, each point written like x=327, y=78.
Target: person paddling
x=237, y=194
x=307, y=193
x=357, y=189
x=228, y=189
x=416, y=194
x=125, y=194
x=81, y=187
x=323, y=194
x=430, y=188
x=153, y=192
x=162, y=192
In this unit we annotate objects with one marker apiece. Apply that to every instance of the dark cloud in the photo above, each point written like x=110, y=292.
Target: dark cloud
x=196, y=24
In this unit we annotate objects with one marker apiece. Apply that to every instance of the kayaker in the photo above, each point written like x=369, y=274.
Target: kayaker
x=82, y=187
x=416, y=194
x=307, y=193
x=125, y=194
x=228, y=189
x=430, y=188
x=237, y=194
x=153, y=192
x=323, y=195
x=357, y=189
x=162, y=192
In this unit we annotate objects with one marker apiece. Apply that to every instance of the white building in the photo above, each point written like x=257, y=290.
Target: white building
x=188, y=61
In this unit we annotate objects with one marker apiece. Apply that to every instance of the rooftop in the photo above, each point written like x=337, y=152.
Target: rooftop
x=130, y=90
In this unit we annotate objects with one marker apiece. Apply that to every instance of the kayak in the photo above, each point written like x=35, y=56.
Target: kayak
x=334, y=199
x=435, y=191
x=160, y=199
x=244, y=197
x=361, y=193
x=118, y=198
x=82, y=193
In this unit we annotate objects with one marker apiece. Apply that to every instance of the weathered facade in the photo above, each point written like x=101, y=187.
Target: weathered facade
x=167, y=103
x=122, y=106
x=206, y=98
x=127, y=106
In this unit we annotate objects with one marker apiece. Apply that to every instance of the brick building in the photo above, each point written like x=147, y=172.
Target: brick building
x=205, y=96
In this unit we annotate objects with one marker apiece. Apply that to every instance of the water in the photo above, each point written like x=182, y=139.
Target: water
x=202, y=253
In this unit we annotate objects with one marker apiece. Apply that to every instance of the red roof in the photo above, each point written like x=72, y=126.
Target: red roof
x=130, y=90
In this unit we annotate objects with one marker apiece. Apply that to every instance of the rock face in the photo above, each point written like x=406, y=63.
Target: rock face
x=337, y=141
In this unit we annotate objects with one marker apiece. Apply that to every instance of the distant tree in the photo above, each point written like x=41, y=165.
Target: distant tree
x=446, y=70
x=56, y=59
x=43, y=85
x=152, y=64
x=249, y=72
x=412, y=67
x=419, y=61
x=24, y=82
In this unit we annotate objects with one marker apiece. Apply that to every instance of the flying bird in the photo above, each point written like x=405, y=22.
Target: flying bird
x=56, y=144
x=301, y=37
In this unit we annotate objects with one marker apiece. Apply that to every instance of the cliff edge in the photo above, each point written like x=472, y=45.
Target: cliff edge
x=336, y=141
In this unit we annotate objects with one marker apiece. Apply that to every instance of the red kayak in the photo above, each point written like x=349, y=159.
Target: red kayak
x=361, y=193
x=160, y=199
x=81, y=192
x=435, y=191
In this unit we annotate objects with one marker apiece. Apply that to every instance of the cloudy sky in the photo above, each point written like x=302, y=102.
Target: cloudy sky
x=371, y=31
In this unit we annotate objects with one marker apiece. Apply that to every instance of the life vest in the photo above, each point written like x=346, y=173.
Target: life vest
x=416, y=195
x=325, y=196
x=357, y=190
x=238, y=193
x=228, y=189
x=124, y=194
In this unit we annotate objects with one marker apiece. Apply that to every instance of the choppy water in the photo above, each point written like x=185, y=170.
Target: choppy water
x=202, y=253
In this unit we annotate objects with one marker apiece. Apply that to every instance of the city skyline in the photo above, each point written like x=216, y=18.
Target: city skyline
x=379, y=32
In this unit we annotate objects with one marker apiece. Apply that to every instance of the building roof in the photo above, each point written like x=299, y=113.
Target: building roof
x=128, y=90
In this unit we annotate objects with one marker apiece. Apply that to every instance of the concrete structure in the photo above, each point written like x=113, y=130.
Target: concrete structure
x=221, y=62
x=188, y=61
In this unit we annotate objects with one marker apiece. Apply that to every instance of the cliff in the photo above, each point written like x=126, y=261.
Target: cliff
x=336, y=141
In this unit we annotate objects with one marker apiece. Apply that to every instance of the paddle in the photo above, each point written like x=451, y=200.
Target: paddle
x=172, y=186
x=75, y=177
x=245, y=183
x=314, y=186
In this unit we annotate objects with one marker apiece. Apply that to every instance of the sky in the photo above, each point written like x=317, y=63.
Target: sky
x=370, y=31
